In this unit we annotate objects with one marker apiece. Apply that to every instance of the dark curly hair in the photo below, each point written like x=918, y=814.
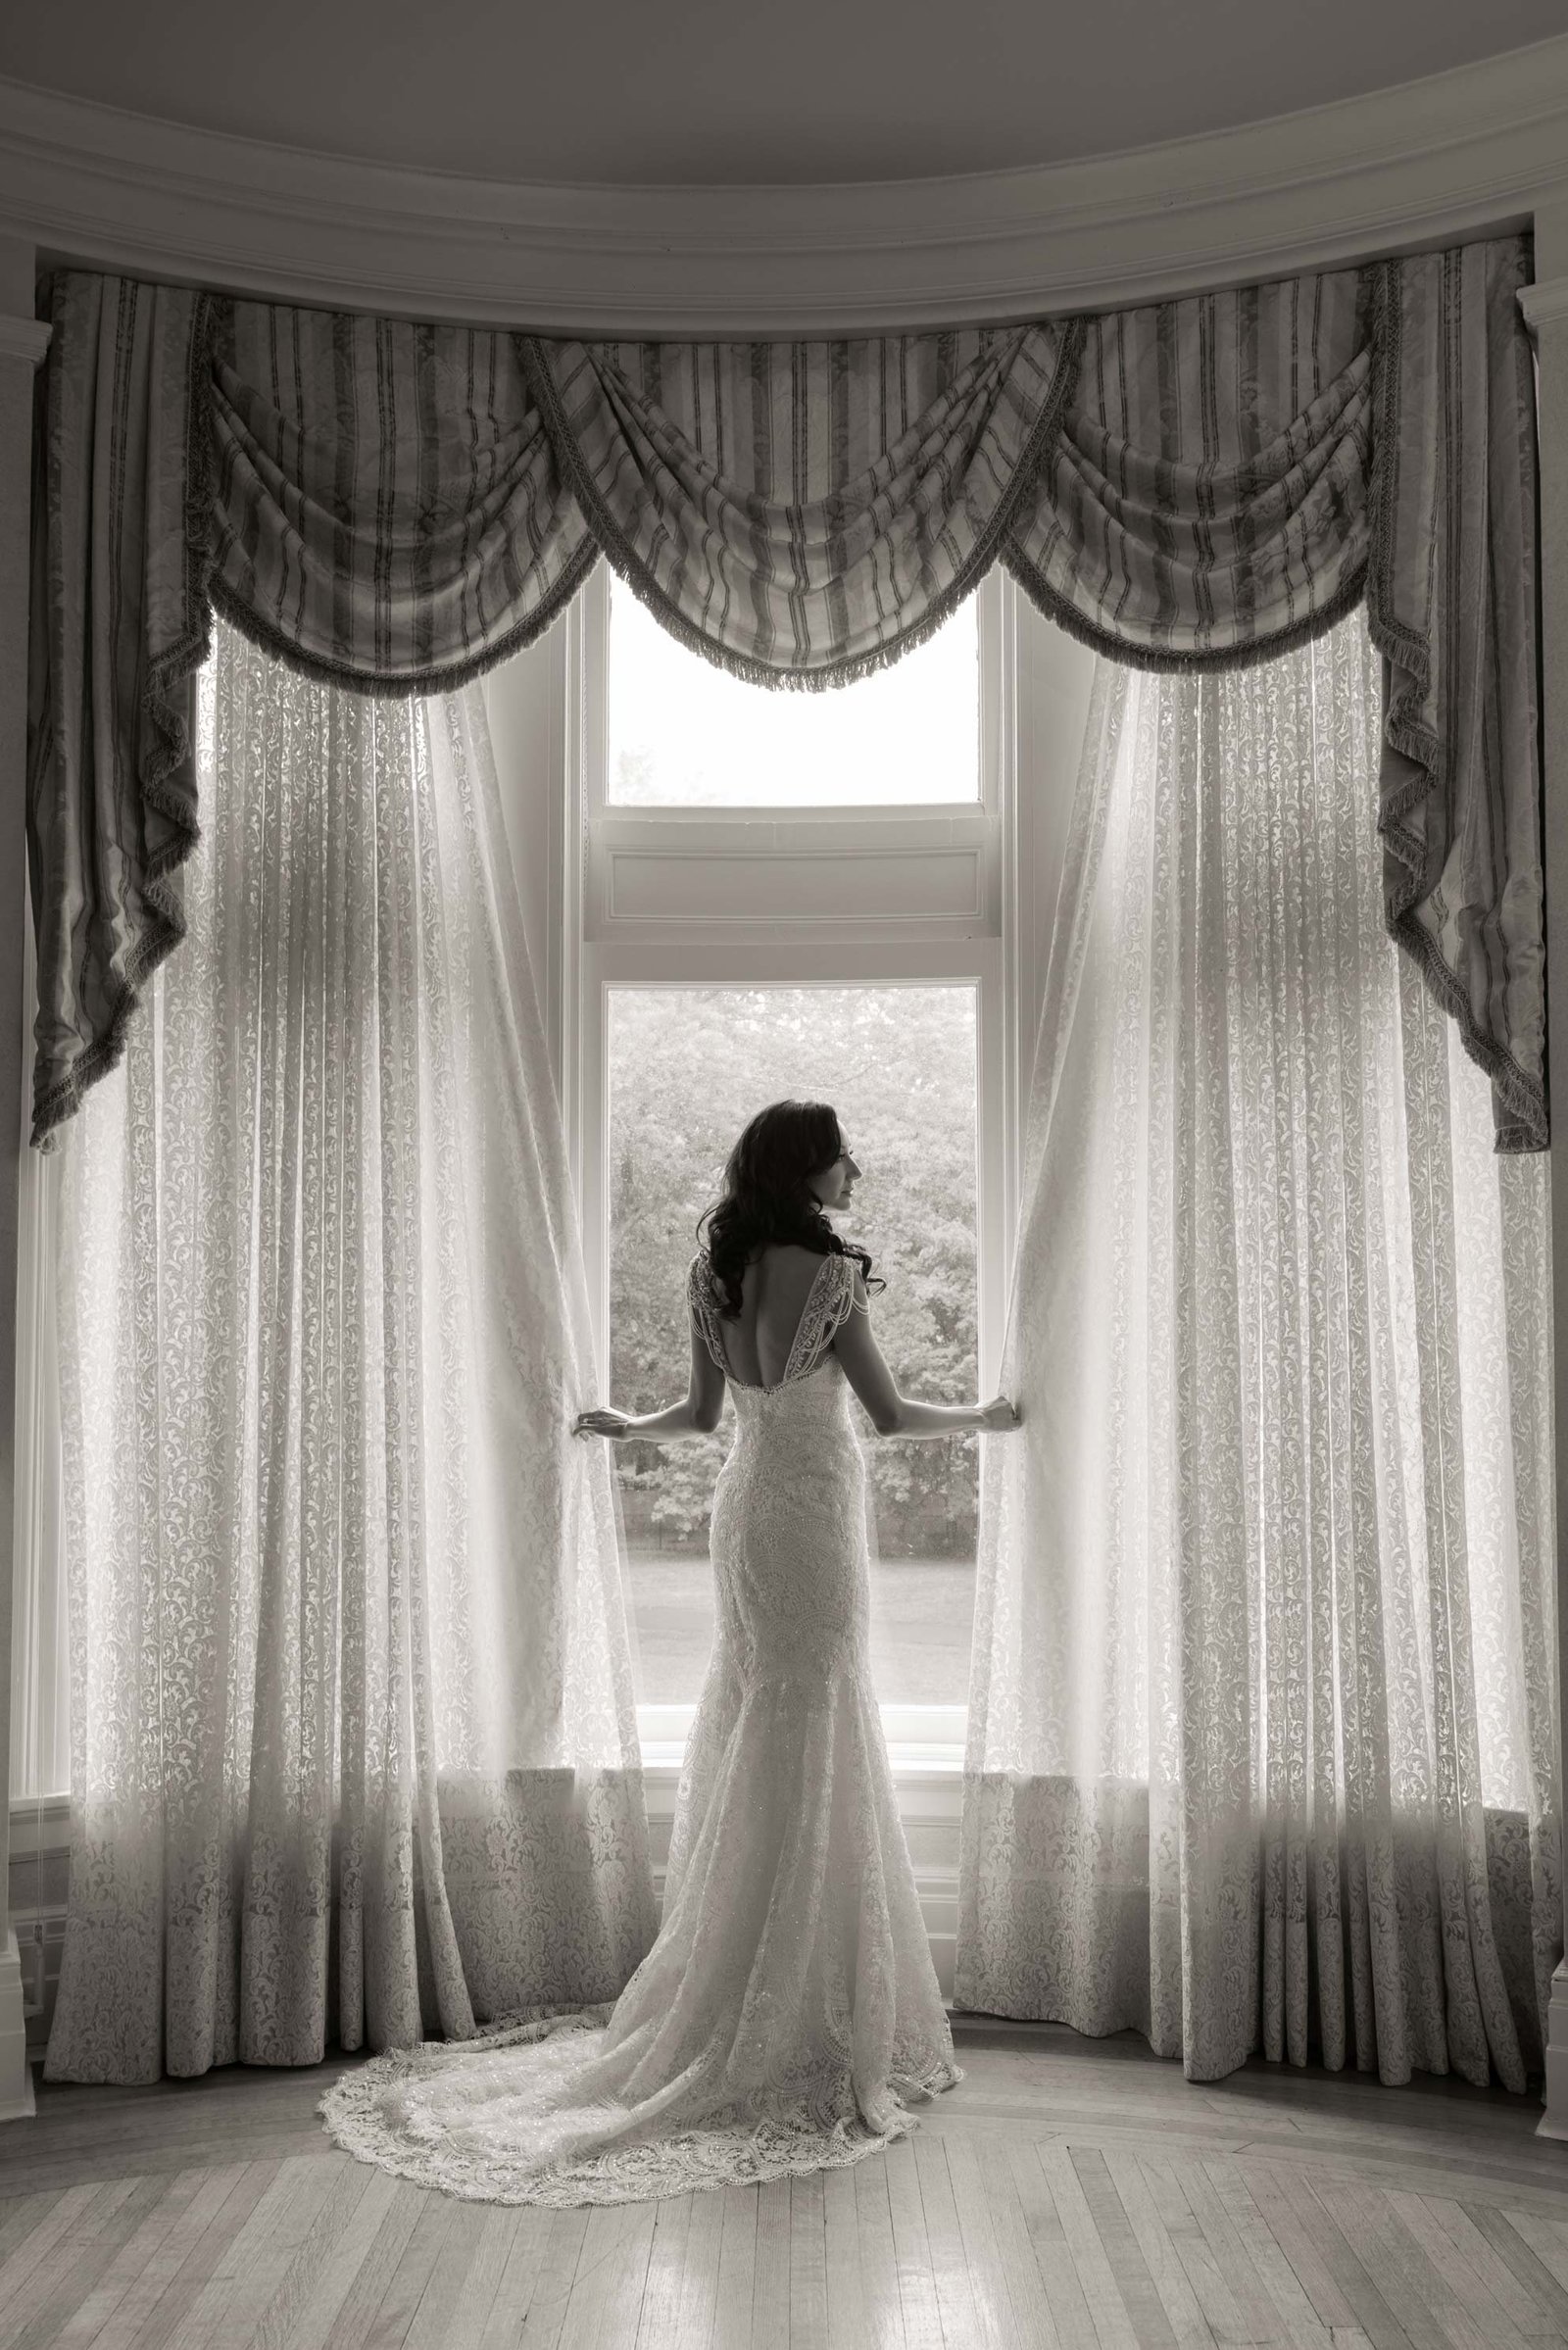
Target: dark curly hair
x=766, y=1196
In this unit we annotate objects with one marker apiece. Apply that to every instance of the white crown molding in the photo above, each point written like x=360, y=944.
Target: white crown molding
x=1544, y=303
x=24, y=338
x=1451, y=155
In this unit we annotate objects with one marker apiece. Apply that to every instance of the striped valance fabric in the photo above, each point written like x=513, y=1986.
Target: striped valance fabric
x=397, y=506
x=386, y=507
x=1207, y=492
x=802, y=512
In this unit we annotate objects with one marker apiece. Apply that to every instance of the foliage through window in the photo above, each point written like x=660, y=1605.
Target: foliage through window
x=687, y=1067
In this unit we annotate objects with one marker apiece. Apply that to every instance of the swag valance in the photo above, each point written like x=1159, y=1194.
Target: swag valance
x=397, y=506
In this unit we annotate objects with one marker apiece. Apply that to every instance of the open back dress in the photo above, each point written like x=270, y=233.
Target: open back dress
x=788, y=2012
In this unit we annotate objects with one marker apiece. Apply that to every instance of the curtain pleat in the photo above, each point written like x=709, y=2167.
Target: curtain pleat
x=1261, y=1743
x=354, y=1740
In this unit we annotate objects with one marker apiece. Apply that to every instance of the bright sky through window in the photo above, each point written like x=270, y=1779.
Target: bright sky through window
x=683, y=733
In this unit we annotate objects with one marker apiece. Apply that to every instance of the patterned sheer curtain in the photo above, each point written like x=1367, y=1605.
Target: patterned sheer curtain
x=1262, y=1719
x=354, y=1744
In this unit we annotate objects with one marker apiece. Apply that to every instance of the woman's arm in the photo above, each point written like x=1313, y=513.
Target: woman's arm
x=697, y=1414
x=891, y=1414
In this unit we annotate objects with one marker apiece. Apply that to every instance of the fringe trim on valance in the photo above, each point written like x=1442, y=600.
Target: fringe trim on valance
x=629, y=566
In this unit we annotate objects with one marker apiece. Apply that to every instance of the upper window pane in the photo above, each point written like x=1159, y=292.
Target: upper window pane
x=685, y=734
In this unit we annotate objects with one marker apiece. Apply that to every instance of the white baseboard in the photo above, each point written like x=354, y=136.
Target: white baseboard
x=1553, y=2123
x=15, y=2080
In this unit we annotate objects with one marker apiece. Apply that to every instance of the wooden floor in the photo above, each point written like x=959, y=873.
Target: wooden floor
x=1069, y=2192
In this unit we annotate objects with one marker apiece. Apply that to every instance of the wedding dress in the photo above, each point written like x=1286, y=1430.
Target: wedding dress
x=789, y=2009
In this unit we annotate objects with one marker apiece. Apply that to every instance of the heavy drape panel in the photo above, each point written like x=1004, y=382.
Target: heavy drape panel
x=1262, y=1719
x=1234, y=468
x=375, y=500
x=354, y=1741
x=1201, y=481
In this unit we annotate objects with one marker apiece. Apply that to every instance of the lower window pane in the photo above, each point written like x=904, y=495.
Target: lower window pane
x=687, y=1067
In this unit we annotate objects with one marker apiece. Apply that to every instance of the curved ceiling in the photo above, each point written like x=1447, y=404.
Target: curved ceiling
x=729, y=93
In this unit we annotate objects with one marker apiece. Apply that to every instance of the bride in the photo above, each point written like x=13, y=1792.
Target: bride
x=788, y=2012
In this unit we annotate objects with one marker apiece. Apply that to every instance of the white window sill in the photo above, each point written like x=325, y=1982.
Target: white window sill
x=925, y=1752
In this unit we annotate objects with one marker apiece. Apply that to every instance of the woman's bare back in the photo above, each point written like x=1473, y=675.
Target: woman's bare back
x=774, y=1288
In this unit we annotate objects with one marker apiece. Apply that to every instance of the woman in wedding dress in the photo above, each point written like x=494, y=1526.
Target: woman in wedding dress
x=788, y=2013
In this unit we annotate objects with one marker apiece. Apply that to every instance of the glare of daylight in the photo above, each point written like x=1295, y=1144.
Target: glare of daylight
x=685, y=733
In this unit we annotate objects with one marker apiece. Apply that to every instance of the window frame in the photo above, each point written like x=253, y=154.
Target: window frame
x=940, y=883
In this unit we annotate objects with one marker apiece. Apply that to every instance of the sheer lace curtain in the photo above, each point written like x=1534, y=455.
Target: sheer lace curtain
x=354, y=1744
x=1261, y=1729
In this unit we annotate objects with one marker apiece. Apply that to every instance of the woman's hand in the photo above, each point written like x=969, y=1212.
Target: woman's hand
x=603, y=1420
x=998, y=1417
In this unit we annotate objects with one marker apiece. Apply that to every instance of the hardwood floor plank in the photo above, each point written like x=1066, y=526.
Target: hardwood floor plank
x=229, y=2305
x=656, y=2319
x=1426, y=2302
x=1123, y=2255
x=698, y=2271
x=737, y=2268
x=1097, y=2278
x=988, y=2279
x=770, y=2282
x=1224, y=2313
x=1304, y=2330
x=879, y=2268
x=22, y=2214
x=37, y=2247
x=607, y=2293
x=292, y=2291
x=1545, y=2241
x=1339, y=2209
x=807, y=2263
x=431, y=2327
x=623, y=2302
x=1531, y=2317
x=1178, y=2304
x=397, y=2213
x=84, y=2256
x=602, y=2242
x=185, y=2288
x=393, y=2315
x=949, y=2270
x=524, y=2242
x=548, y=2285
x=1511, y=2248
x=1020, y=2203
x=358, y=2237
x=156, y=2264
x=1261, y=2313
x=846, y=2313
x=912, y=2251
x=171, y=2197
x=499, y=2227
x=1491, y=2312
x=1341, y=2292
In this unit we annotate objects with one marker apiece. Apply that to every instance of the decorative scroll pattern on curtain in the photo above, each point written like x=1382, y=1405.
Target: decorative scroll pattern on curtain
x=1261, y=1716
x=354, y=1741
x=1201, y=481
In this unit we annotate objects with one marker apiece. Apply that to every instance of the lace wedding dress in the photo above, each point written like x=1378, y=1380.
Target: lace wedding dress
x=787, y=2010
